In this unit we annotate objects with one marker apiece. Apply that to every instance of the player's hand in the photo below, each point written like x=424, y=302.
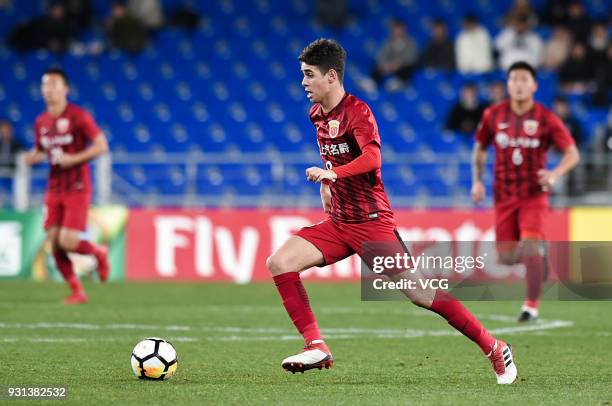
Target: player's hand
x=33, y=157
x=326, y=198
x=67, y=160
x=478, y=192
x=315, y=174
x=546, y=179
x=30, y=157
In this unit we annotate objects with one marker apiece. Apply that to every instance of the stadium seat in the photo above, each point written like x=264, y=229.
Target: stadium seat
x=231, y=87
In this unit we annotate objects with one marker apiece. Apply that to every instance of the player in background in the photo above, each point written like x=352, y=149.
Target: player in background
x=69, y=137
x=521, y=131
x=353, y=195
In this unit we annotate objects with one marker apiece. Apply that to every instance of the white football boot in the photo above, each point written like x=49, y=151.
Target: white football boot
x=503, y=363
x=315, y=355
x=528, y=314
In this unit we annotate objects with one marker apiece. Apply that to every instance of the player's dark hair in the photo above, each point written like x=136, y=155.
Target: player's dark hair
x=59, y=72
x=325, y=54
x=522, y=65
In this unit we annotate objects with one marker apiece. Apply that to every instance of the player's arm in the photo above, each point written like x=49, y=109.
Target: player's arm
x=35, y=156
x=564, y=142
x=369, y=160
x=569, y=160
x=484, y=136
x=479, y=160
x=98, y=146
x=326, y=197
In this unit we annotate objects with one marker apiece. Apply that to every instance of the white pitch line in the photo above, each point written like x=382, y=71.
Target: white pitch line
x=271, y=334
x=533, y=327
x=68, y=340
x=404, y=309
x=85, y=326
x=352, y=333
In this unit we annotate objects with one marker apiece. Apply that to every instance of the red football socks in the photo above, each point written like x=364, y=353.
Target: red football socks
x=460, y=318
x=65, y=267
x=85, y=248
x=296, y=302
x=534, y=276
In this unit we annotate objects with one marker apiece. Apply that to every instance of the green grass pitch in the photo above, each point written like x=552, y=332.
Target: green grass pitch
x=230, y=341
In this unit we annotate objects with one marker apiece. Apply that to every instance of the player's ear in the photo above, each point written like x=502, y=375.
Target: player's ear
x=331, y=76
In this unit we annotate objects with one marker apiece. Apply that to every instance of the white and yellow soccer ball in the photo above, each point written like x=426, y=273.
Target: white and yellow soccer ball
x=154, y=358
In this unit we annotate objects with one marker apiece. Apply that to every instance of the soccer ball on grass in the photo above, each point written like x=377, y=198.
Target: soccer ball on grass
x=154, y=358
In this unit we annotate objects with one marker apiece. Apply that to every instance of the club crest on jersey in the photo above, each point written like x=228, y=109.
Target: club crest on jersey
x=62, y=125
x=530, y=127
x=334, y=128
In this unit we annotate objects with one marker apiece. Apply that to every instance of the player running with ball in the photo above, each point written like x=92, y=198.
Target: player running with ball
x=69, y=137
x=521, y=131
x=353, y=194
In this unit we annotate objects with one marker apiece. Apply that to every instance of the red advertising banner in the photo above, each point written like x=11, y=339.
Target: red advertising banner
x=232, y=245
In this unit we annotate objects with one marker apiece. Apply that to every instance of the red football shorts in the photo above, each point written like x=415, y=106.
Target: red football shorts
x=519, y=218
x=66, y=211
x=337, y=240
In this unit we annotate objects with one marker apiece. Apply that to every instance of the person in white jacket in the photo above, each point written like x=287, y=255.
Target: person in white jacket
x=519, y=43
x=473, y=47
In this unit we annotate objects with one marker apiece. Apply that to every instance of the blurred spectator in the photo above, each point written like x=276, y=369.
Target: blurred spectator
x=578, y=22
x=331, y=13
x=9, y=147
x=598, y=42
x=56, y=29
x=603, y=81
x=125, y=31
x=607, y=140
x=186, y=16
x=78, y=14
x=518, y=43
x=555, y=12
x=397, y=57
x=575, y=178
x=497, y=92
x=149, y=12
x=51, y=32
x=465, y=114
x=561, y=108
x=522, y=8
x=576, y=73
x=473, y=47
x=557, y=48
x=439, y=52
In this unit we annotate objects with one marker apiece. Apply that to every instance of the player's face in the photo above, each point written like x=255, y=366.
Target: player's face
x=521, y=85
x=53, y=88
x=316, y=84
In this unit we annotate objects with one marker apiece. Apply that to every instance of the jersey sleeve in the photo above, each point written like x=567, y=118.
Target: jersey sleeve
x=364, y=127
x=88, y=126
x=311, y=112
x=559, y=133
x=484, y=133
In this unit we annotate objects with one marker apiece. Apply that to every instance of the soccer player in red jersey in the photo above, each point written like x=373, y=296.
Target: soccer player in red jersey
x=521, y=131
x=69, y=137
x=353, y=195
